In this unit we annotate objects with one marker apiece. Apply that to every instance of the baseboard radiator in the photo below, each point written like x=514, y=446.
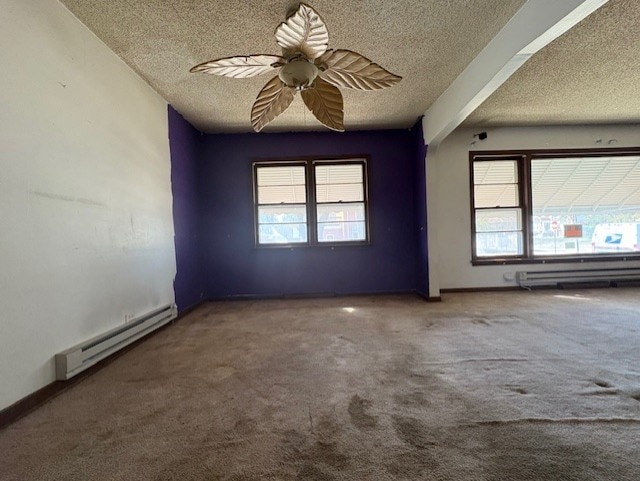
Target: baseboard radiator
x=613, y=276
x=84, y=355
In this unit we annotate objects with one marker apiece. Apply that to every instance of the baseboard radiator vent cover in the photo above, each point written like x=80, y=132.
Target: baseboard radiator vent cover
x=611, y=277
x=84, y=355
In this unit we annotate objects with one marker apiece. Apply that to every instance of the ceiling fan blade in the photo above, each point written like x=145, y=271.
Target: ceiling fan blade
x=344, y=68
x=272, y=100
x=240, y=66
x=305, y=32
x=325, y=102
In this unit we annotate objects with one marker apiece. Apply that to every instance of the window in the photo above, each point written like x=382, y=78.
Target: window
x=311, y=202
x=543, y=206
x=498, y=208
x=282, y=204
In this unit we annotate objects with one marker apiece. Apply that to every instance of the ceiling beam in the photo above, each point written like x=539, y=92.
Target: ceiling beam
x=536, y=24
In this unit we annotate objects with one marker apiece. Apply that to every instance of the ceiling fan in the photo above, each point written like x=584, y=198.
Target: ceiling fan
x=306, y=65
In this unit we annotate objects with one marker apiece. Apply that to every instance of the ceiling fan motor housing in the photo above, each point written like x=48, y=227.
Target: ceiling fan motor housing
x=298, y=74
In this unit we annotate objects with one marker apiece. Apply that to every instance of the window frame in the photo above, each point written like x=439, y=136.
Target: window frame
x=311, y=203
x=524, y=159
x=521, y=205
x=257, y=205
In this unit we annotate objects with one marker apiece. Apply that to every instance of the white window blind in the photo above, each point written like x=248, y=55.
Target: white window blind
x=282, y=211
x=340, y=209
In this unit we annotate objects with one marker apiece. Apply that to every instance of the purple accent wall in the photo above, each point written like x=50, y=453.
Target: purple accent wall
x=185, y=144
x=420, y=185
x=235, y=267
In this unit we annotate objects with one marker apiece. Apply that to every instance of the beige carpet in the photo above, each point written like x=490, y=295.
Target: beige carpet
x=492, y=386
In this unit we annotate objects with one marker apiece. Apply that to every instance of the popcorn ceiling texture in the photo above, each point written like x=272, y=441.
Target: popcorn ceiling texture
x=428, y=42
x=590, y=75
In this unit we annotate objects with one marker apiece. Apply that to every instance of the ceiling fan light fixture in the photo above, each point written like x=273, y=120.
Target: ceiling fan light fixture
x=307, y=66
x=298, y=74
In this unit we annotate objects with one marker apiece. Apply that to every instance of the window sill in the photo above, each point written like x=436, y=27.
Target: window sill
x=557, y=260
x=331, y=245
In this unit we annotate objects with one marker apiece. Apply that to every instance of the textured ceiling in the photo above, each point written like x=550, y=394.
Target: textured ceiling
x=589, y=75
x=428, y=42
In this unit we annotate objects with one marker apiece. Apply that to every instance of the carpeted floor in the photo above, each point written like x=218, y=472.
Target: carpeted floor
x=490, y=386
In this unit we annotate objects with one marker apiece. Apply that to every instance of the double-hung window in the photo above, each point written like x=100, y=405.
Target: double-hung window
x=311, y=202
x=281, y=199
x=498, y=203
x=543, y=206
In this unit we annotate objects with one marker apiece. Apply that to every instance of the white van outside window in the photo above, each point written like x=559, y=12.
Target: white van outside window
x=620, y=237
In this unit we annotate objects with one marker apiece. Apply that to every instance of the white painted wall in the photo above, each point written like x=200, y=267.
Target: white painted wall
x=448, y=197
x=86, y=239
